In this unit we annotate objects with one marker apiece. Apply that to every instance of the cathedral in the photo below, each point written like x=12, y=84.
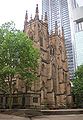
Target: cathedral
x=53, y=77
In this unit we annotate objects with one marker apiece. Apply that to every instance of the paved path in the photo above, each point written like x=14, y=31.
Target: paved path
x=49, y=117
x=60, y=117
x=11, y=117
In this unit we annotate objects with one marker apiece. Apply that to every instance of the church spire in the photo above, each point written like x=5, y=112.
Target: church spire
x=37, y=13
x=45, y=19
x=37, y=8
x=26, y=20
x=56, y=28
x=42, y=17
x=26, y=16
x=62, y=32
x=31, y=17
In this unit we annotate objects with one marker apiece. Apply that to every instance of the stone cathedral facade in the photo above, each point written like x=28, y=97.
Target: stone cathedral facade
x=53, y=78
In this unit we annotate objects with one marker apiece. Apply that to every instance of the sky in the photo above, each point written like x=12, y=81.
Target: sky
x=14, y=10
x=80, y=2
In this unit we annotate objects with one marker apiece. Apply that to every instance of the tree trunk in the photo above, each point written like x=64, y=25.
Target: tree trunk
x=25, y=89
x=10, y=93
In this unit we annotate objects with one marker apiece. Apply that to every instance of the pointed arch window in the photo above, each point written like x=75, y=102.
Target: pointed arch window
x=31, y=34
x=53, y=71
x=41, y=41
x=52, y=51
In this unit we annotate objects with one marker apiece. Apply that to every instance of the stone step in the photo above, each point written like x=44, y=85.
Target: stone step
x=62, y=112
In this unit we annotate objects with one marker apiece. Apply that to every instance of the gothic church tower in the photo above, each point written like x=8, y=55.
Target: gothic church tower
x=53, y=78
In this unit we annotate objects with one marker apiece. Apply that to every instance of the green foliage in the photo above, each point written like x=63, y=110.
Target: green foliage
x=78, y=86
x=17, y=56
x=78, y=81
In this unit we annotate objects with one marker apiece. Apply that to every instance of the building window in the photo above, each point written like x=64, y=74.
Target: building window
x=1, y=100
x=52, y=51
x=6, y=100
x=15, y=99
x=65, y=77
x=53, y=71
x=30, y=35
x=35, y=99
x=41, y=41
x=42, y=67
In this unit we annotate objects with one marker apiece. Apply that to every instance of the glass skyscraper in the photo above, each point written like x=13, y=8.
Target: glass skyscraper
x=78, y=20
x=60, y=11
x=79, y=47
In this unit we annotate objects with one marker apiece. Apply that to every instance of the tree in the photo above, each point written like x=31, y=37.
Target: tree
x=78, y=86
x=17, y=57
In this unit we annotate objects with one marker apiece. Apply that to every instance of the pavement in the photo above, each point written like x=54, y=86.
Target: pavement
x=60, y=117
x=12, y=117
x=61, y=114
x=44, y=117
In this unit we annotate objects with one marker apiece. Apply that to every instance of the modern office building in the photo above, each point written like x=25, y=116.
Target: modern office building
x=60, y=11
x=79, y=47
x=78, y=20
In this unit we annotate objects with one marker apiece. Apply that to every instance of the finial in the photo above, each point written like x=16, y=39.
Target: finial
x=56, y=28
x=26, y=16
x=62, y=32
x=45, y=16
x=51, y=32
x=62, y=29
x=42, y=17
x=56, y=24
x=59, y=33
x=37, y=8
x=26, y=21
x=31, y=17
x=37, y=13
